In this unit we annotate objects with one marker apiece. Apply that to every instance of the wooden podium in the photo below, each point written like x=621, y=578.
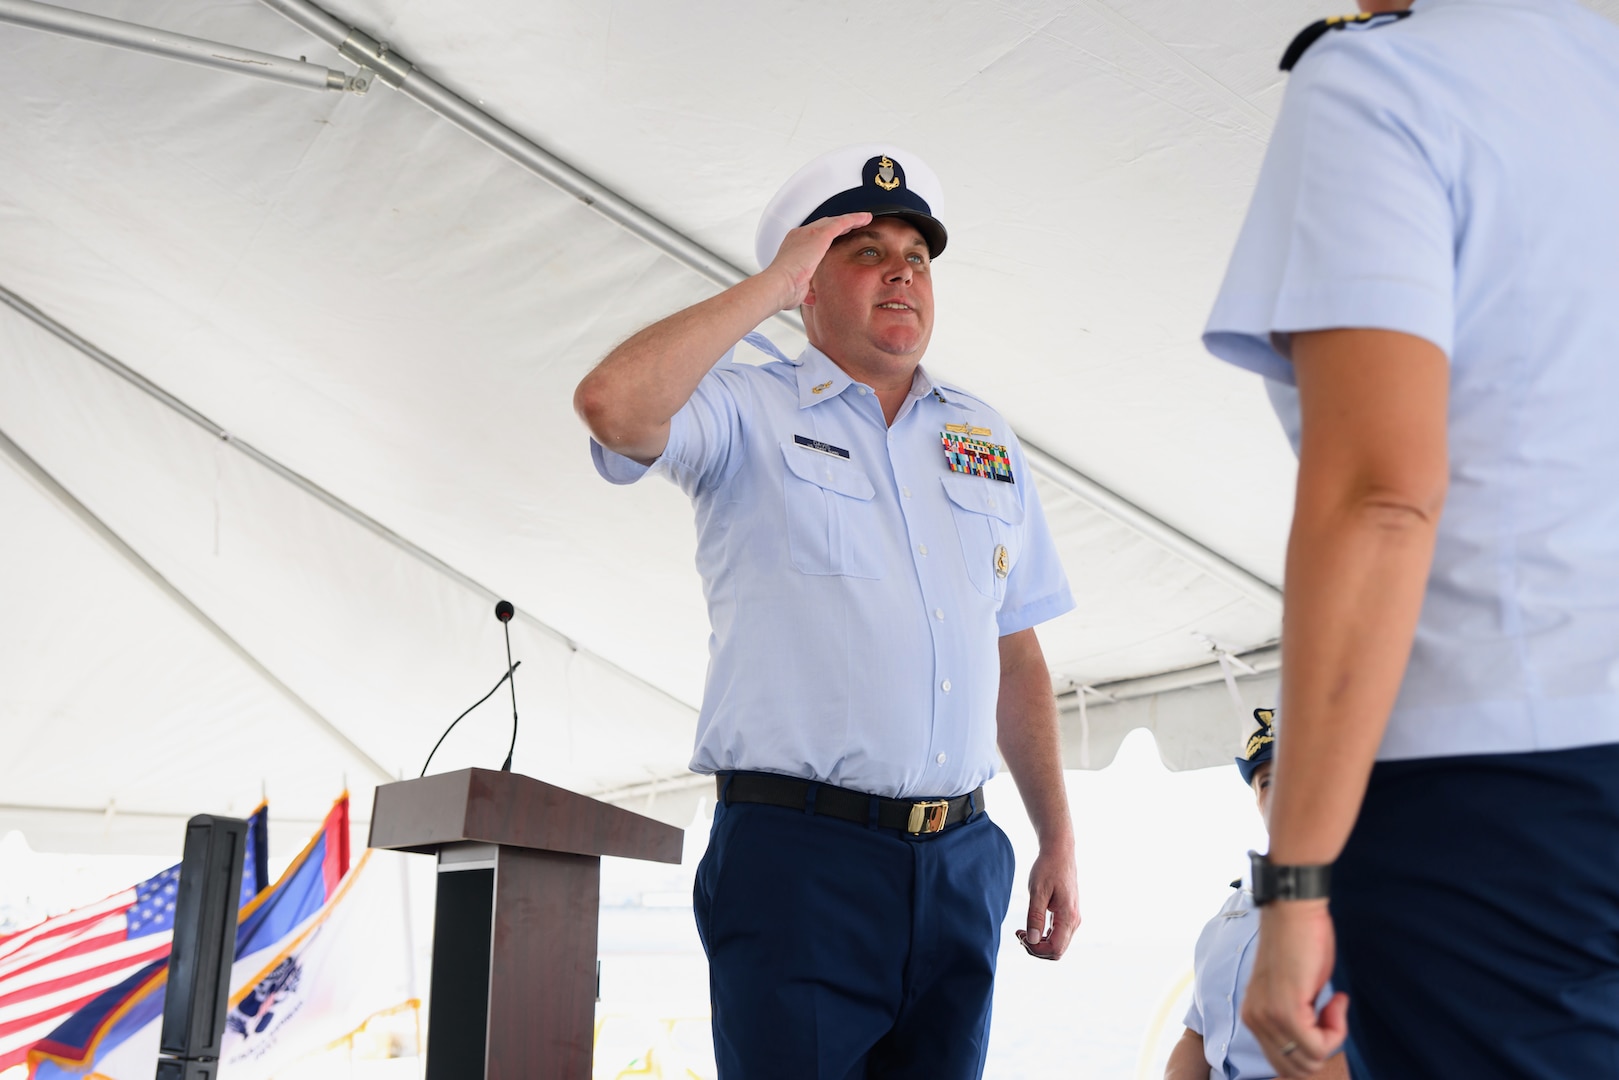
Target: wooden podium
x=514, y=935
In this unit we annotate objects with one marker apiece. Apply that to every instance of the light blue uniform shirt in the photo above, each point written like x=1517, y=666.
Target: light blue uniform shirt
x=1455, y=176
x=1222, y=965
x=852, y=584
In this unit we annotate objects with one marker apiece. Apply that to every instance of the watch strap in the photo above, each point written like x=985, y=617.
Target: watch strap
x=1274, y=881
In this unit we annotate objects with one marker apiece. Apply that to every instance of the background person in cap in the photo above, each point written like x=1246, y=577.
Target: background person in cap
x=875, y=558
x=1431, y=259
x=1216, y=1044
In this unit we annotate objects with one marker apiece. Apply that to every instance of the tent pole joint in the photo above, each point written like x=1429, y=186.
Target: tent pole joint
x=372, y=55
x=155, y=42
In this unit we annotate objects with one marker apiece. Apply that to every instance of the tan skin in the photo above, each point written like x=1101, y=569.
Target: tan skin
x=865, y=289
x=1186, y=1060
x=1373, y=473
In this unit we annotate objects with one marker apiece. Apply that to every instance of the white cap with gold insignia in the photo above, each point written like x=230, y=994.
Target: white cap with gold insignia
x=876, y=177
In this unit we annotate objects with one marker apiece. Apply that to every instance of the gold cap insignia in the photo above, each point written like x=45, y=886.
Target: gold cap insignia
x=1257, y=742
x=1002, y=562
x=885, y=177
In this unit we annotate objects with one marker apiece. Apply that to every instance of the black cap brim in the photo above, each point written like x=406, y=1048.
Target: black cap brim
x=855, y=200
x=1248, y=768
x=926, y=224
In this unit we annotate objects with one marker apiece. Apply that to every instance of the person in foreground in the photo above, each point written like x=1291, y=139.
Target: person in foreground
x=875, y=560
x=1216, y=1044
x=1431, y=258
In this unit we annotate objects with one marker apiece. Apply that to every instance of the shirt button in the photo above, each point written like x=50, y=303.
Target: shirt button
x=940, y=759
x=906, y=491
x=922, y=549
x=862, y=391
x=938, y=613
x=945, y=686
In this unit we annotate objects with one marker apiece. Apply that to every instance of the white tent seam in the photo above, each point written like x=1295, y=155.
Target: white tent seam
x=1261, y=131
x=357, y=46
x=308, y=486
x=69, y=502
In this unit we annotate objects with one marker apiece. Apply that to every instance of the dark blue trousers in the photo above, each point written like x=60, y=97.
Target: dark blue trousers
x=1476, y=907
x=840, y=951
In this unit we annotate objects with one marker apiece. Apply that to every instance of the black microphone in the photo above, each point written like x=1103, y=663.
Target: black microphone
x=504, y=612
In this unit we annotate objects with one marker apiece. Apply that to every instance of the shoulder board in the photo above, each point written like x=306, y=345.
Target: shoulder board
x=1237, y=884
x=960, y=393
x=1316, y=31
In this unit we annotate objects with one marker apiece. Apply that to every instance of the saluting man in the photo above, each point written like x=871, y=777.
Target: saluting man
x=1432, y=260
x=875, y=560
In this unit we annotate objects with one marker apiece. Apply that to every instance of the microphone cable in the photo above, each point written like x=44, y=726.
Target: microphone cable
x=474, y=705
x=504, y=612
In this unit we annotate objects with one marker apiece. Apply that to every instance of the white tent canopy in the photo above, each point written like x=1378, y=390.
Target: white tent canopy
x=286, y=375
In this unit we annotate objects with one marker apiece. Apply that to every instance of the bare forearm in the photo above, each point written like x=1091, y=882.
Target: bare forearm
x=628, y=400
x=1026, y=718
x=1186, y=1061
x=1373, y=470
x=1355, y=580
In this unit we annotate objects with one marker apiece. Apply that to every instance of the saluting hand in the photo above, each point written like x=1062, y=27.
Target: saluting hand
x=802, y=251
x=1294, y=961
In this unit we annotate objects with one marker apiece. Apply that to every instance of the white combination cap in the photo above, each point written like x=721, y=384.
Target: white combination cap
x=878, y=178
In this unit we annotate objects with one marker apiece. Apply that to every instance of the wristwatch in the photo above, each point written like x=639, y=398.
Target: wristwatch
x=1273, y=882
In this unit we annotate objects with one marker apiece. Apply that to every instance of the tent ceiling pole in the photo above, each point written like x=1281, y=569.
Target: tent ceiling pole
x=308, y=486
x=65, y=498
x=1262, y=660
x=171, y=46
x=360, y=48
x=1130, y=515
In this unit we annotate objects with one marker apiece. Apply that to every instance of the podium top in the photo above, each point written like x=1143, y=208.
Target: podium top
x=513, y=810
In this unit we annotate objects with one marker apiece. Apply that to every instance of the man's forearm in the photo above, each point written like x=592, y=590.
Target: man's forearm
x=629, y=399
x=1026, y=718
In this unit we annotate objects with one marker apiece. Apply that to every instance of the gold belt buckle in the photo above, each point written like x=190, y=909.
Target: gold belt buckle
x=927, y=816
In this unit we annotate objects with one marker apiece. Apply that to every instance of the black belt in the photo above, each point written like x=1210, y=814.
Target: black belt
x=914, y=816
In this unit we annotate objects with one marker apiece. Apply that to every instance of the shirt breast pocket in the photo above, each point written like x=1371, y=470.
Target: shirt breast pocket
x=832, y=524
x=988, y=518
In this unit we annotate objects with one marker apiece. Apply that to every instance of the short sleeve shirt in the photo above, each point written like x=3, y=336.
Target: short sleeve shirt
x=1452, y=176
x=1222, y=965
x=858, y=575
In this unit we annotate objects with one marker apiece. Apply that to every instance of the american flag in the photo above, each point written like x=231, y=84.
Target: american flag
x=50, y=969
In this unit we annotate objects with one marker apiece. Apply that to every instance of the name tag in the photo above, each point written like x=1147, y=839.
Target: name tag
x=821, y=447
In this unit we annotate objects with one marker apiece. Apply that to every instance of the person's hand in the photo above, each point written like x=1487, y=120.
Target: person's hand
x=1053, y=887
x=1293, y=963
x=802, y=251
